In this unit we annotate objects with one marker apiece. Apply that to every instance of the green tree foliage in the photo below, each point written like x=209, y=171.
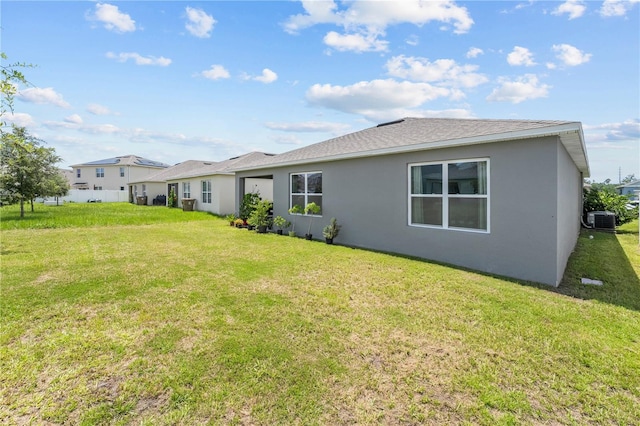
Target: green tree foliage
x=11, y=77
x=604, y=197
x=28, y=169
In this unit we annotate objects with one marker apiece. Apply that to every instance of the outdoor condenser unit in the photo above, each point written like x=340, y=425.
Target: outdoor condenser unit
x=602, y=220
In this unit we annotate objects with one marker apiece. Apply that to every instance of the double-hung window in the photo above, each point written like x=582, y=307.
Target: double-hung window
x=206, y=191
x=306, y=188
x=121, y=171
x=99, y=172
x=78, y=173
x=450, y=194
x=186, y=189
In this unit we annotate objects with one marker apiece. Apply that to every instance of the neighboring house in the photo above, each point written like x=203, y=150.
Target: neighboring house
x=631, y=189
x=499, y=196
x=113, y=173
x=211, y=184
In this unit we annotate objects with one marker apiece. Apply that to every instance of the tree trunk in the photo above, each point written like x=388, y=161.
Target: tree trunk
x=21, y=207
x=32, y=206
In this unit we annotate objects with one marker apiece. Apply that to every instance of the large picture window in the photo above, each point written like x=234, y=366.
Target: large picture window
x=306, y=188
x=450, y=195
x=206, y=192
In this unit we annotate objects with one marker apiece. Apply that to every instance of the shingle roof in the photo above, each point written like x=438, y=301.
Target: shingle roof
x=125, y=160
x=411, y=134
x=222, y=167
x=178, y=169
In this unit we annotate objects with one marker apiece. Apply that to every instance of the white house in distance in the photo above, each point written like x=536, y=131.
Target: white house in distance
x=209, y=185
x=113, y=173
x=499, y=196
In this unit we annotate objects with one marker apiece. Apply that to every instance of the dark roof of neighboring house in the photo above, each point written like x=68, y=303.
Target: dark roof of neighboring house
x=125, y=160
x=416, y=134
x=223, y=167
x=195, y=168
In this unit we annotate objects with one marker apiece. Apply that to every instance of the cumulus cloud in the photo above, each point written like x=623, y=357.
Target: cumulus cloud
x=97, y=109
x=216, y=72
x=199, y=23
x=370, y=97
x=20, y=119
x=571, y=56
x=444, y=72
x=625, y=131
x=366, y=42
x=38, y=95
x=112, y=18
x=74, y=119
x=266, y=77
x=139, y=59
x=365, y=21
x=309, y=127
x=573, y=8
x=474, y=52
x=524, y=88
x=617, y=7
x=520, y=56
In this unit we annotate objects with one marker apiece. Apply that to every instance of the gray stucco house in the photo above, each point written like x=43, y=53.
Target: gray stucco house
x=497, y=196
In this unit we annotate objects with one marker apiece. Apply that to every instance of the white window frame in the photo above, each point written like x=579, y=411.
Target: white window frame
x=445, y=196
x=306, y=193
x=99, y=172
x=206, y=192
x=121, y=171
x=186, y=189
x=78, y=173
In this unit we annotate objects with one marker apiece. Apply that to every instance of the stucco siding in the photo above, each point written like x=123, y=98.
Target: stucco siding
x=569, y=186
x=369, y=197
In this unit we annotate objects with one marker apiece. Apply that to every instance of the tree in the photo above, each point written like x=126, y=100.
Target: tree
x=11, y=76
x=604, y=197
x=28, y=169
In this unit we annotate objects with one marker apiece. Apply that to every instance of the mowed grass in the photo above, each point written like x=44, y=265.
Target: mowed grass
x=195, y=322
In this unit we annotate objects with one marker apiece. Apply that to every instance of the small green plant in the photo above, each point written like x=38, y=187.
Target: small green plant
x=230, y=218
x=295, y=210
x=259, y=217
x=311, y=209
x=248, y=204
x=172, y=201
x=332, y=230
x=281, y=223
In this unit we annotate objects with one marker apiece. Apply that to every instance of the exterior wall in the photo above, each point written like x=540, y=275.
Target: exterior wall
x=569, y=186
x=369, y=197
x=152, y=190
x=222, y=193
x=264, y=187
x=112, y=179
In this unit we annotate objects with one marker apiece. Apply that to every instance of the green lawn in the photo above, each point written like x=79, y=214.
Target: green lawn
x=123, y=314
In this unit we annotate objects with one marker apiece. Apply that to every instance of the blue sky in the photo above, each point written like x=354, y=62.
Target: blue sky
x=179, y=80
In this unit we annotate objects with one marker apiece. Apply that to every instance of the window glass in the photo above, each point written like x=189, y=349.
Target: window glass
x=426, y=210
x=306, y=188
x=314, y=183
x=468, y=178
x=468, y=213
x=298, y=184
x=426, y=179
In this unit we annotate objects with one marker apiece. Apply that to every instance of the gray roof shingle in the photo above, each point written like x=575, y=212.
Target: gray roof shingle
x=411, y=134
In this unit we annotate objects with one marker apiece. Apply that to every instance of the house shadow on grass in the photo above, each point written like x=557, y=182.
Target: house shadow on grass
x=601, y=256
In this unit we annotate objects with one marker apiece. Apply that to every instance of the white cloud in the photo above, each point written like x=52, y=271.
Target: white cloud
x=139, y=59
x=574, y=8
x=74, y=119
x=39, y=95
x=113, y=19
x=20, y=119
x=355, y=42
x=309, y=127
x=216, y=72
x=199, y=24
x=267, y=76
x=364, y=21
x=520, y=56
x=625, y=131
x=444, y=72
x=523, y=88
x=372, y=98
x=474, y=52
x=571, y=56
x=412, y=40
x=97, y=109
x=617, y=7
